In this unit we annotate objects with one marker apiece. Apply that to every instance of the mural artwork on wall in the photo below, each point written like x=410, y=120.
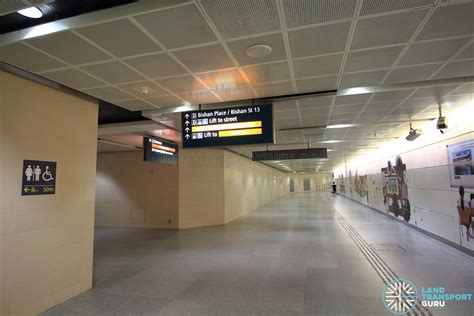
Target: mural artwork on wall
x=466, y=214
x=342, y=185
x=350, y=181
x=395, y=191
x=461, y=165
x=360, y=185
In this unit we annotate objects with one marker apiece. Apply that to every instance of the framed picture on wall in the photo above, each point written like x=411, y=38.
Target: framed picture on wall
x=461, y=165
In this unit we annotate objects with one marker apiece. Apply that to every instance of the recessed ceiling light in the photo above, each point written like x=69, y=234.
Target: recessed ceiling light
x=33, y=13
x=341, y=125
x=257, y=51
x=330, y=141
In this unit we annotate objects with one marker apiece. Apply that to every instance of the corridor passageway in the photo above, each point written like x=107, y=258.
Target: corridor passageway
x=297, y=255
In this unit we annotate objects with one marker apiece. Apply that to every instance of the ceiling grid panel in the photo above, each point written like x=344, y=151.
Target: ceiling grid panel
x=350, y=36
x=165, y=50
x=453, y=58
x=71, y=67
x=418, y=30
x=127, y=66
x=283, y=25
x=223, y=43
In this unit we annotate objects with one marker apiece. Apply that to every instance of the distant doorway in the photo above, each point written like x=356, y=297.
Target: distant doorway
x=292, y=185
x=306, y=184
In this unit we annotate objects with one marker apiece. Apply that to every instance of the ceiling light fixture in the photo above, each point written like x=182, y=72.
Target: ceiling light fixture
x=330, y=141
x=32, y=13
x=341, y=125
x=257, y=51
x=413, y=134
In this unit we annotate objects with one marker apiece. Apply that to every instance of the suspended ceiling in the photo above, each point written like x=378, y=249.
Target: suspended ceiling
x=194, y=52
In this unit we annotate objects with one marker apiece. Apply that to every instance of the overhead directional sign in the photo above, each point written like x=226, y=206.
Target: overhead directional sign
x=159, y=151
x=290, y=154
x=39, y=177
x=251, y=124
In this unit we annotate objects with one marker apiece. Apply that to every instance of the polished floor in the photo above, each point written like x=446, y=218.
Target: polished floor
x=303, y=254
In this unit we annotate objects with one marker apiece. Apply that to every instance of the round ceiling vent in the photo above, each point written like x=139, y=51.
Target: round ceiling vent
x=256, y=51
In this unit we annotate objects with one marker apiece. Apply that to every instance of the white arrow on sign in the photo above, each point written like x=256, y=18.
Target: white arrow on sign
x=187, y=129
x=186, y=116
x=187, y=136
x=187, y=122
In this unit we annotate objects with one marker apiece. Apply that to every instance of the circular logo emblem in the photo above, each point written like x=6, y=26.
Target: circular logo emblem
x=399, y=296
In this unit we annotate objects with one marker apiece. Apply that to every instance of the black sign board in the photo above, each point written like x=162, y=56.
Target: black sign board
x=39, y=177
x=251, y=124
x=159, y=151
x=291, y=154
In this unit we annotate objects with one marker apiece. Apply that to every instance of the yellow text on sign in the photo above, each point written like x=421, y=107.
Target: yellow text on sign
x=221, y=127
x=241, y=132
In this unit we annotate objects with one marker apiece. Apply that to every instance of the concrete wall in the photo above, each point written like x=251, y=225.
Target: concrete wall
x=249, y=185
x=201, y=188
x=134, y=193
x=45, y=241
x=209, y=187
x=318, y=181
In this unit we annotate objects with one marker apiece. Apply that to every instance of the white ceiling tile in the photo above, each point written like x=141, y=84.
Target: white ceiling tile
x=352, y=99
x=454, y=69
x=188, y=26
x=236, y=93
x=223, y=79
x=434, y=92
x=283, y=114
x=467, y=52
x=241, y=18
x=109, y=93
x=412, y=73
x=28, y=58
x=164, y=101
x=319, y=40
x=387, y=29
x=275, y=41
x=317, y=84
x=465, y=89
x=73, y=78
x=136, y=89
x=156, y=66
x=372, y=59
x=205, y=58
x=268, y=72
x=361, y=79
x=391, y=95
x=417, y=103
x=105, y=35
x=380, y=6
x=69, y=47
x=199, y=97
x=135, y=105
x=387, y=105
x=318, y=111
x=324, y=101
x=113, y=72
x=447, y=21
x=351, y=108
x=285, y=105
x=420, y=53
x=305, y=12
x=317, y=66
x=181, y=84
x=274, y=89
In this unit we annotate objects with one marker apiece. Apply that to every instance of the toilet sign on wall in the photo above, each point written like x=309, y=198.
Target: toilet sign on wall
x=39, y=177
